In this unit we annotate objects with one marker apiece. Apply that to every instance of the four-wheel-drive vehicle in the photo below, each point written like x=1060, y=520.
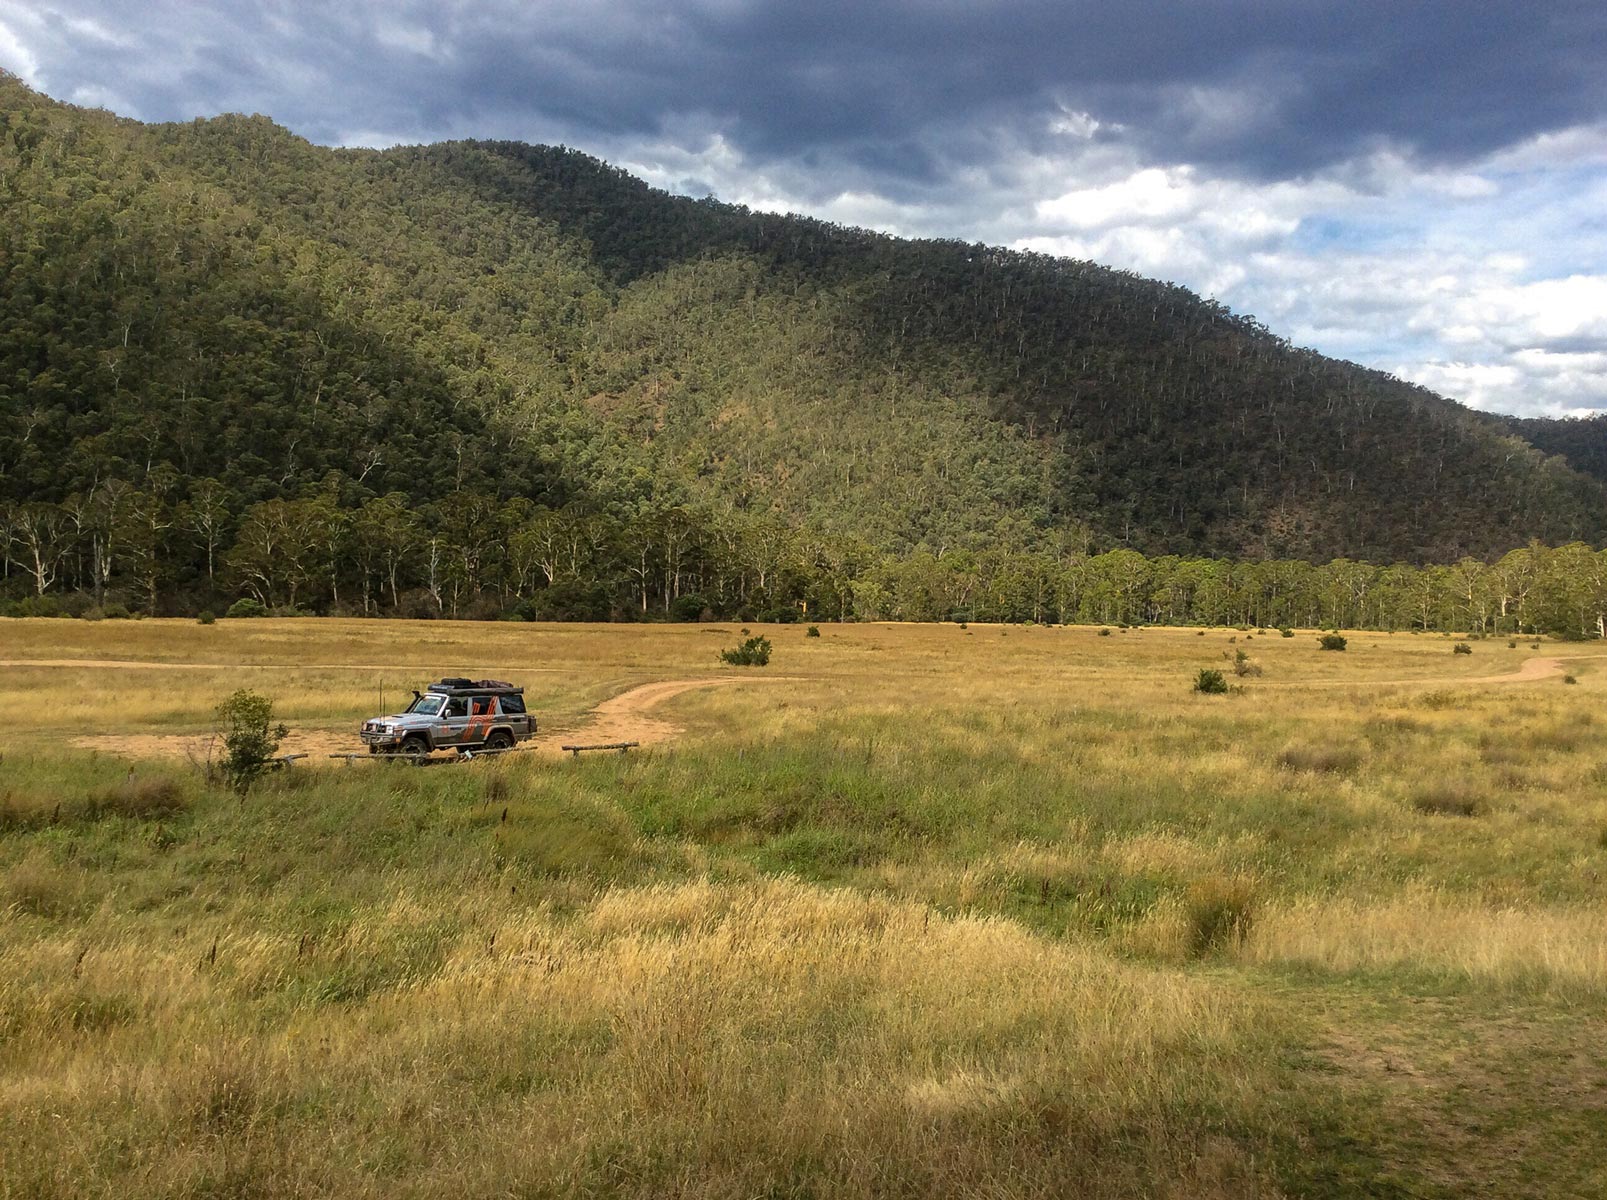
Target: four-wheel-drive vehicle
x=455, y=714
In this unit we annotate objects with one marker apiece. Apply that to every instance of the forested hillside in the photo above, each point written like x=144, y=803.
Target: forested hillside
x=1580, y=441
x=466, y=377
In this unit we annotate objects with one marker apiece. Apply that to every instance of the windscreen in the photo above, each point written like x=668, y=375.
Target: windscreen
x=429, y=706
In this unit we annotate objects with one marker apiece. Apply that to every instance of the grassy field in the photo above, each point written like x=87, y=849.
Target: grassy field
x=932, y=911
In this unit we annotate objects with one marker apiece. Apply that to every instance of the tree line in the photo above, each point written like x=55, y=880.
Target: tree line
x=473, y=555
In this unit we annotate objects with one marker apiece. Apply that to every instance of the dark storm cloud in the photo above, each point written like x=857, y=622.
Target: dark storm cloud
x=897, y=91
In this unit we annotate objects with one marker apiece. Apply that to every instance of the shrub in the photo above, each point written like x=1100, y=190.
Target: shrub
x=250, y=738
x=754, y=652
x=1244, y=665
x=115, y=612
x=1212, y=683
x=246, y=606
x=1286, y=632
x=1461, y=648
x=207, y=617
x=1511, y=644
x=688, y=608
x=1569, y=679
x=1104, y=633
x=812, y=631
x=1332, y=641
x=1219, y=910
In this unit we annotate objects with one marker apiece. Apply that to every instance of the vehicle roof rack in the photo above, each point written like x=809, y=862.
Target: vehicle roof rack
x=473, y=685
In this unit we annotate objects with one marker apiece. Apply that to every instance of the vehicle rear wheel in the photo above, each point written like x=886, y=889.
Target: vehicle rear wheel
x=500, y=739
x=415, y=748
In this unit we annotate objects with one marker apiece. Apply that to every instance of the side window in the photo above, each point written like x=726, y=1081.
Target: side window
x=513, y=706
x=458, y=706
x=482, y=706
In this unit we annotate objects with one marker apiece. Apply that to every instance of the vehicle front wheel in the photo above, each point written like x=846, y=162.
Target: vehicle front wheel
x=415, y=748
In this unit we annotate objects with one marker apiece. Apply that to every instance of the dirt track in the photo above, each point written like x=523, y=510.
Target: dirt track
x=623, y=718
x=1532, y=670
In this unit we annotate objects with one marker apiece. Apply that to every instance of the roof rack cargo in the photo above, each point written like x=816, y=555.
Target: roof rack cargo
x=473, y=685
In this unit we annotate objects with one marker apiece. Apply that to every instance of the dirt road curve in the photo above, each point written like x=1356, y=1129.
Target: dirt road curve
x=1532, y=670
x=623, y=718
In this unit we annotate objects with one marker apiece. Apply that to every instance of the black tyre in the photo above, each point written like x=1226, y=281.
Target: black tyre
x=500, y=739
x=415, y=747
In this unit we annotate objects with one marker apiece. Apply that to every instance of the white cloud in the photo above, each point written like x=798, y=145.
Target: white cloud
x=15, y=55
x=1485, y=278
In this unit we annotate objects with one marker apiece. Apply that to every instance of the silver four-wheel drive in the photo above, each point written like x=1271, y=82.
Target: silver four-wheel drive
x=456, y=714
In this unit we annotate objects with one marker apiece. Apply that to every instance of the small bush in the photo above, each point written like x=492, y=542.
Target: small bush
x=1104, y=633
x=1286, y=632
x=688, y=608
x=1332, y=641
x=1511, y=645
x=115, y=612
x=207, y=617
x=754, y=652
x=812, y=631
x=1244, y=665
x=246, y=606
x=1569, y=679
x=1219, y=910
x=1212, y=683
x=1461, y=648
x=250, y=738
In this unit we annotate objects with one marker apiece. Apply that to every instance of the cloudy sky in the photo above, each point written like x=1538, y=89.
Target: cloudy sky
x=1419, y=185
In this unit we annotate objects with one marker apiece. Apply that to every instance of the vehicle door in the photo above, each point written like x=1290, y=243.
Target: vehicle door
x=454, y=726
x=482, y=710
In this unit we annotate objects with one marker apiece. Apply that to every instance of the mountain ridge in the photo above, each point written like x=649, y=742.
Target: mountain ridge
x=532, y=323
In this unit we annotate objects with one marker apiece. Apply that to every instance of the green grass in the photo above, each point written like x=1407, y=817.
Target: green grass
x=995, y=936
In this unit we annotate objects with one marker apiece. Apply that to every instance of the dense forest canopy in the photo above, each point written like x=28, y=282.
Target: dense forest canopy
x=478, y=376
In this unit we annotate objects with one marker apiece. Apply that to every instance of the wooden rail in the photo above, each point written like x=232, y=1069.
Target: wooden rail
x=620, y=746
x=420, y=760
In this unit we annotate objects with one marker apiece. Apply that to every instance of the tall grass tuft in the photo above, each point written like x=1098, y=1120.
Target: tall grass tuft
x=1333, y=758
x=1220, y=910
x=1451, y=798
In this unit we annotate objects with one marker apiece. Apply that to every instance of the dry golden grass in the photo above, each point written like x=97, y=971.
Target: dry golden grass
x=1560, y=948
x=994, y=911
x=695, y=1039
